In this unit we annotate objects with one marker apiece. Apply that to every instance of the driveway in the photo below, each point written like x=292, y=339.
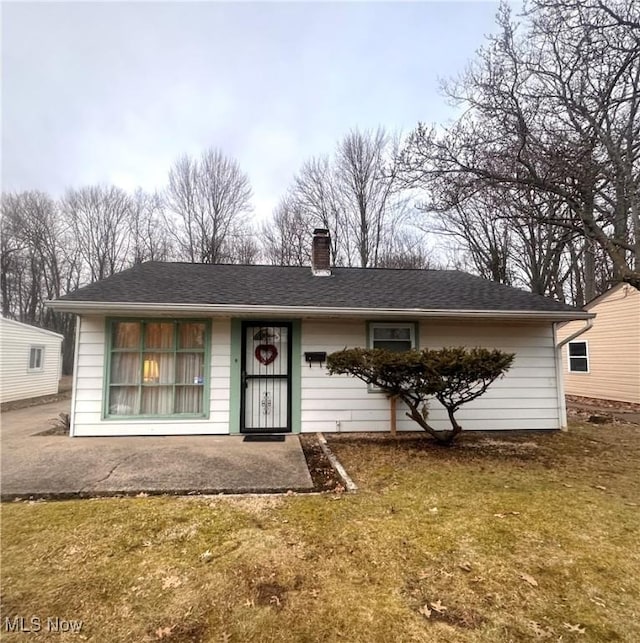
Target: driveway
x=59, y=466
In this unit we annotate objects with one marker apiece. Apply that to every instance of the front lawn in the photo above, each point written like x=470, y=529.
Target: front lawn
x=526, y=538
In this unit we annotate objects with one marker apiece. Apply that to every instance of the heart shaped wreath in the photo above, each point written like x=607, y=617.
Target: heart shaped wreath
x=266, y=354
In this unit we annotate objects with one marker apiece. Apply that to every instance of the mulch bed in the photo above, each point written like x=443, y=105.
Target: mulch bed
x=323, y=475
x=598, y=403
x=600, y=411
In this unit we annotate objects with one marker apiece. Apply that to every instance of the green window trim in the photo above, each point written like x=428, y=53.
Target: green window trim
x=110, y=351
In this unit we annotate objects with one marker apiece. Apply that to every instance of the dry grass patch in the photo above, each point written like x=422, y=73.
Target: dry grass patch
x=503, y=538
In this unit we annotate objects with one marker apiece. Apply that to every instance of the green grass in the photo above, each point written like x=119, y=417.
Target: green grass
x=456, y=527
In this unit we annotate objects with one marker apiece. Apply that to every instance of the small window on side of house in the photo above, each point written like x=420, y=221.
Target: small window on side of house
x=396, y=337
x=578, y=353
x=36, y=358
x=392, y=337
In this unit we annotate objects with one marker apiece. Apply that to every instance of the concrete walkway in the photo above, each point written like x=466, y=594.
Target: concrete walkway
x=59, y=466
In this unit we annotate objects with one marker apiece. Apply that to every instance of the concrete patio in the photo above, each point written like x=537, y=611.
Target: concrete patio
x=59, y=466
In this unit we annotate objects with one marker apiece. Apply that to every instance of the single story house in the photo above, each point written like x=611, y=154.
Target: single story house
x=30, y=361
x=178, y=348
x=604, y=362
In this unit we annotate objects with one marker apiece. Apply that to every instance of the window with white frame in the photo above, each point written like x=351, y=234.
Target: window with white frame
x=392, y=337
x=578, y=353
x=36, y=358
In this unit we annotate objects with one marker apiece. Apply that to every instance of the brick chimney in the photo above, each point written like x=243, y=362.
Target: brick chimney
x=321, y=253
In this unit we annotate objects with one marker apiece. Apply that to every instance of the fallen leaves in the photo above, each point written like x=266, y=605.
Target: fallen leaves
x=428, y=608
x=163, y=632
x=541, y=631
x=546, y=632
x=529, y=579
x=507, y=513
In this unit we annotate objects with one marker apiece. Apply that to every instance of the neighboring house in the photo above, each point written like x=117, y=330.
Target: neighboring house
x=605, y=362
x=30, y=361
x=177, y=348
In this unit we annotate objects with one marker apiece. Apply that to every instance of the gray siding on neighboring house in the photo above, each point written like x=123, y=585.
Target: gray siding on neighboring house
x=17, y=382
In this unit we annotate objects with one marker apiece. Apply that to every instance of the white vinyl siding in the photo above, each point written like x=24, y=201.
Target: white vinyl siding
x=22, y=374
x=526, y=398
x=89, y=387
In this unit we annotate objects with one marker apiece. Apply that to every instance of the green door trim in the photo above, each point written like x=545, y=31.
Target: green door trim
x=296, y=376
x=235, y=375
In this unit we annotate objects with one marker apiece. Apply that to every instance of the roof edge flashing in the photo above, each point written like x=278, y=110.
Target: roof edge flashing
x=310, y=311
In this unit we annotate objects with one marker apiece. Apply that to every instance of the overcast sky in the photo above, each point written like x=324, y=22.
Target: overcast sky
x=115, y=92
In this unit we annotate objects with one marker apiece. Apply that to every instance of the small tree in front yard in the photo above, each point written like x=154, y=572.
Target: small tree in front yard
x=454, y=376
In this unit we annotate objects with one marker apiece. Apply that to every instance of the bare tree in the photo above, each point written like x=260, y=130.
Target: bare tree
x=315, y=197
x=365, y=171
x=551, y=108
x=404, y=248
x=40, y=261
x=149, y=238
x=209, y=200
x=355, y=195
x=99, y=217
x=243, y=248
x=286, y=237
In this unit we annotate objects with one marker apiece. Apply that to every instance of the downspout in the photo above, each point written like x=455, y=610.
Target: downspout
x=562, y=406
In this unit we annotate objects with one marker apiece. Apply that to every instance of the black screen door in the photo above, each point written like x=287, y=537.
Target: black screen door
x=266, y=384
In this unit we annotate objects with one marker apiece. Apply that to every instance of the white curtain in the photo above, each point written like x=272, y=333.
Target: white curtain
x=143, y=383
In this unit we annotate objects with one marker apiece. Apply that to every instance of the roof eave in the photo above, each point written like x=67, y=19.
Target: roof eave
x=44, y=331
x=156, y=309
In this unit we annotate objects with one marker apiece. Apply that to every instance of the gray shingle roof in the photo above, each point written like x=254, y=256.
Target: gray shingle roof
x=349, y=288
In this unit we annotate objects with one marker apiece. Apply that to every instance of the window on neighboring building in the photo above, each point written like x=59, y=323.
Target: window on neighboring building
x=36, y=358
x=578, y=357
x=157, y=368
